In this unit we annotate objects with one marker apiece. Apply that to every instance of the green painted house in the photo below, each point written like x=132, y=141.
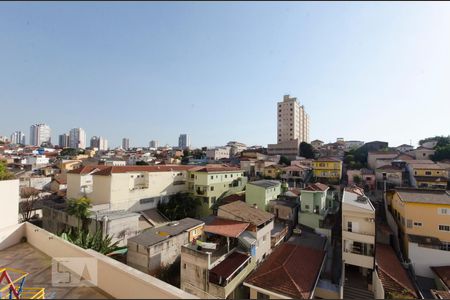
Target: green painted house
x=261, y=192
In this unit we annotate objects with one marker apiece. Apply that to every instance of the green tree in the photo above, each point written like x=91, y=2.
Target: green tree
x=69, y=152
x=306, y=150
x=80, y=208
x=180, y=205
x=285, y=161
x=95, y=242
x=441, y=140
x=441, y=153
x=4, y=173
x=356, y=179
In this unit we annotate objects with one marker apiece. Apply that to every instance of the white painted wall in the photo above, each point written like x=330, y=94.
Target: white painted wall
x=9, y=202
x=423, y=258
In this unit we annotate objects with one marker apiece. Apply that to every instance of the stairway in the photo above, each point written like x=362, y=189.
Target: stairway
x=357, y=293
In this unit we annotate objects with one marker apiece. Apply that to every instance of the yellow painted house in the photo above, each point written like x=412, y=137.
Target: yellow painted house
x=327, y=169
x=427, y=174
x=424, y=213
x=273, y=171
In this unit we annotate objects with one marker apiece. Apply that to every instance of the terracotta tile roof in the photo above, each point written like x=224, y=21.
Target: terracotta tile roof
x=245, y=213
x=291, y=270
x=233, y=198
x=443, y=272
x=317, y=187
x=158, y=168
x=228, y=266
x=87, y=169
x=295, y=168
x=425, y=166
x=355, y=190
x=61, y=179
x=440, y=294
x=392, y=274
x=225, y=227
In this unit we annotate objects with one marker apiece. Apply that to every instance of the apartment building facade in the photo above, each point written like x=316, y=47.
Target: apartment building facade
x=327, y=169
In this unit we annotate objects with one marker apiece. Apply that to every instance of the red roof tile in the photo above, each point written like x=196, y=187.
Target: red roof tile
x=225, y=227
x=392, y=274
x=124, y=169
x=87, y=169
x=227, y=267
x=291, y=270
x=317, y=187
x=443, y=272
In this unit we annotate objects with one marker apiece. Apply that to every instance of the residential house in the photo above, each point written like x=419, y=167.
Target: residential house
x=314, y=205
x=272, y=171
x=295, y=175
x=58, y=183
x=285, y=210
x=427, y=175
x=404, y=148
x=358, y=237
x=158, y=247
x=423, y=152
x=376, y=159
x=291, y=272
x=211, y=182
x=317, y=144
x=261, y=192
x=391, y=174
x=215, y=265
x=365, y=176
x=261, y=224
x=390, y=279
x=423, y=220
x=218, y=153
x=327, y=169
x=66, y=165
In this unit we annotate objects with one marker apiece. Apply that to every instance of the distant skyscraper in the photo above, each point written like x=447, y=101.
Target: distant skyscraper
x=18, y=137
x=293, y=121
x=77, y=138
x=184, y=141
x=99, y=142
x=154, y=144
x=63, y=140
x=125, y=143
x=40, y=133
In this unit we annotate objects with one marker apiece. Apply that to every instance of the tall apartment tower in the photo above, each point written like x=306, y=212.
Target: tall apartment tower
x=293, y=121
x=125, y=143
x=153, y=144
x=18, y=137
x=63, y=140
x=184, y=141
x=99, y=142
x=77, y=138
x=39, y=133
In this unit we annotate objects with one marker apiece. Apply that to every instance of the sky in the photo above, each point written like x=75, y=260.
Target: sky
x=215, y=70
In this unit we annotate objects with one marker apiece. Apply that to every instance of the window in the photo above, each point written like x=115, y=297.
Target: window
x=349, y=226
x=231, y=175
x=417, y=224
x=226, y=176
x=409, y=223
x=212, y=177
x=444, y=227
x=184, y=266
x=428, y=173
x=211, y=188
x=306, y=206
x=192, y=176
x=442, y=211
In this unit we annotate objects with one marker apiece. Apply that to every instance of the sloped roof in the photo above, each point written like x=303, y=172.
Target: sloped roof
x=158, y=168
x=245, y=213
x=266, y=183
x=87, y=169
x=291, y=270
x=317, y=187
x=392, y=274
x=424, y=196
x=443, y=272
x=226, y=227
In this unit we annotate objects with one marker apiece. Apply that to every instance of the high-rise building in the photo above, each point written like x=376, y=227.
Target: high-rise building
x=40, y=133
x=99, y=142
x=63, y=140
x=184, y=141
x=18, y=137
x=293, y=121
x=77, y=138
x=125, y=143
x=293, y=126
x=153, y=144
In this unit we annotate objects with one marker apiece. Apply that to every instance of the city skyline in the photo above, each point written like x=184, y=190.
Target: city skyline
x=375, y=67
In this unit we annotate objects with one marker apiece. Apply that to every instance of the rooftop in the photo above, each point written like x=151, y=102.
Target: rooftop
x=266, y=183
x=225, y=227
x=279, y=273
x=243, y=212
x=328, y=159
x=393, y=275
x=443, y=272
x=155, y=235
x=424, y=196
x=317, y=187
x=124, y=169
x=355, y=197
x=284, y=202
x=389, y=168
x=228, y=267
